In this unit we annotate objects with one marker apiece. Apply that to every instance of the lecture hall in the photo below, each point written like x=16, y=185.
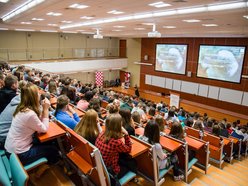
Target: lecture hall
x=123, y=92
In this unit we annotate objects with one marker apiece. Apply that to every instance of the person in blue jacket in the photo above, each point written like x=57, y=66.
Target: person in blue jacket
x=62, y=112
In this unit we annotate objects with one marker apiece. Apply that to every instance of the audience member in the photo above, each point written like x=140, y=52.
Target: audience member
x=25, y=123
x=61, y=112
x=8, y=91
x=88, y=127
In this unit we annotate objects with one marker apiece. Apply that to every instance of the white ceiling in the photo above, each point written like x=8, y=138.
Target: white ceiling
x=231, y=23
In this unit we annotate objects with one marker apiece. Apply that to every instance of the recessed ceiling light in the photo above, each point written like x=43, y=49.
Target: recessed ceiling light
x=48, y=30
x=4, y=29
x=51, y=24
x=159, y=4
x=139, y=28
x=119, y=26
x=37, y=19
x=26, y=23
x=115, y=12
x=149, y=24
x=245, y=16
x=66, y=22
x=192, y=20
x=4, y=1
x=209, y=25
x=23, y=29
x=86, y=17
x=78, y=6
x=54, y=14
x=72, y=32
x=169, y=27
x=116, y=30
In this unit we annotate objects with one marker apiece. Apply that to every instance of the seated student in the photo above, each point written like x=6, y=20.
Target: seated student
x=2, y=77
x=110, y=144
x=209, y=124
x=216, y=130
x=198, y=126
x=88, y=127
x=182, y=117
x=152, y=136
x=8, y=91
x=6, y=119
x=127, y=121
x=229, y=128
x=25, y=123
x=83, y=103
x=61, y=112
x=136, y=117
x=177, y=132
x=139, y=109
x=160, y=121
x=223, y=130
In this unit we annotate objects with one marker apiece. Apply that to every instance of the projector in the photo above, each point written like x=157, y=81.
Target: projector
x=97, y=36
x=154, y=34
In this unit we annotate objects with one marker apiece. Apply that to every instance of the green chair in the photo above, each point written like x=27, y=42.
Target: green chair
x=19, y=175
x=4, y=177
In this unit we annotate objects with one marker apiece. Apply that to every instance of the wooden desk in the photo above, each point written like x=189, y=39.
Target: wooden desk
x=137, y=148
x=54, y=131
x=226, y=141
x=83, y=165
x=195, y=144
x=139, y=131
x=169, y=144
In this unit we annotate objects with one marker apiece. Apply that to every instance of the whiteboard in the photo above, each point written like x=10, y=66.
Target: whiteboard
x=148, y=80
x=213, y=92
x=168, y=83
x=229, y=95
x=188, y=87
x=158, y=81
x=203, y=90
x=245, y=99
x=177, y=85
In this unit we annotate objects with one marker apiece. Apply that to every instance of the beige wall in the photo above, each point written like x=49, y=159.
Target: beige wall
x=37, y=45
x=133, y=55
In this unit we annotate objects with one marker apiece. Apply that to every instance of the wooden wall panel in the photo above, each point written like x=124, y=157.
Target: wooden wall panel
x=149, y=48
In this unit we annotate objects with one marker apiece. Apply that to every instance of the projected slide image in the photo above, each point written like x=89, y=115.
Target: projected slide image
x=221, y=62
x=171, y=58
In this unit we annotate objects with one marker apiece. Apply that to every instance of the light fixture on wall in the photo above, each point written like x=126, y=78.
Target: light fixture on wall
x=139, y=63
x=145, y=57
x=20, y=9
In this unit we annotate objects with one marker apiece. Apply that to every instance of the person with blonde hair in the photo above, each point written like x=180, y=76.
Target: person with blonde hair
x=25, y=123
x=88, y=127
x=61, y=112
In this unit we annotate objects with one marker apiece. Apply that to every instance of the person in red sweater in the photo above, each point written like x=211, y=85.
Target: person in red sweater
x=111, y=144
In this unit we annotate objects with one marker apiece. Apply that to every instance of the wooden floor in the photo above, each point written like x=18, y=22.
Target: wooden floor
x=235, y=174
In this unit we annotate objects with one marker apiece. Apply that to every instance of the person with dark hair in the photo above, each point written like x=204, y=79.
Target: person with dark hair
x=8, y=91
x=216, y=130
x=127, y=121
x=61, y=112
x=229, y=128
x=209, y=126
x=223, y=130
x=152, y=136
x=137, y=91
x=126, y=104
x=2, y=77
x=198, y=126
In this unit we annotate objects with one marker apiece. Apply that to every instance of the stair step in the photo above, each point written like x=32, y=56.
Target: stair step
x=197, y=182
x=223, y=179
